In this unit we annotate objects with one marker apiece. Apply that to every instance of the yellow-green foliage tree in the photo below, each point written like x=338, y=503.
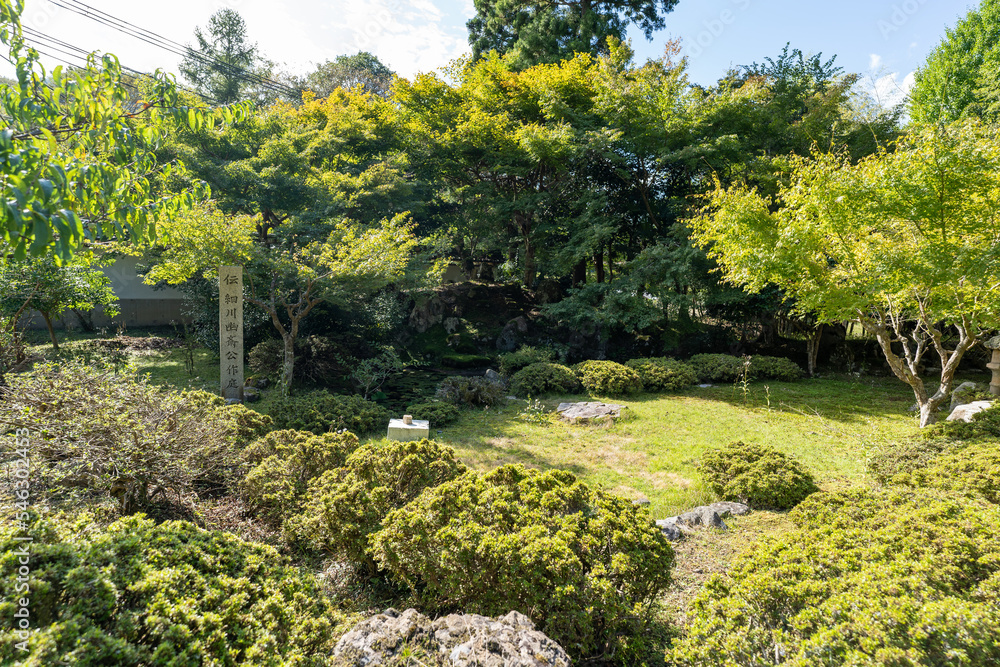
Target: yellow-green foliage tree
x=904, y=243
x=77, y=158
x=286, y=279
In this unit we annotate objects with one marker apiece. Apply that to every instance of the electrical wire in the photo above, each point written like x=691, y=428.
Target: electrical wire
x=154, y=39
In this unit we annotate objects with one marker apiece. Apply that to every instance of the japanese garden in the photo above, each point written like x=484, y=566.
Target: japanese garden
x=549, y=357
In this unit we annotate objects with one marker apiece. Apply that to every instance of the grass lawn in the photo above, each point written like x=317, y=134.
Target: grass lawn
x=830, y=424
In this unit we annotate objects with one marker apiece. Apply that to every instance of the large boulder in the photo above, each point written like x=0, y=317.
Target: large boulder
x=459, y=640
x=963, y=394
x=582, y=413
x=965, y=412
x=674, y=527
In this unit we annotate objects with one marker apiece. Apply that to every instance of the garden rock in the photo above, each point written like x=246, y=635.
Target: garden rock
x=511, y=336
x=674, y=527
x=965, y=412
x=251, y=394
x=586, y=412
x=493, y=376
x=462, y=640
x=961, y=394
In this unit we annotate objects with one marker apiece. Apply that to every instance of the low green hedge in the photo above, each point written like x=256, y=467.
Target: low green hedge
x=585, y=565
x=281, y=465
x=436, y=412
x=321, y=412
x=727, y=368
x=891, y=577
x=544, y=378
x=663, y=373
x=758, y=475
x=343, y=507
x=608, y=378
x=138, y=594
x=512, y=362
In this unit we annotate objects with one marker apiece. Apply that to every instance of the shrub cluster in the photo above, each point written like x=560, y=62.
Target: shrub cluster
x=116, y=434
x=139, y=594
x=958, y=456
x=512, y=362
x=320, y=412
x=343, y=507
x=436, y=412
x=586, y=566
x=318, y=360
x=727, y=368
x=282, y=464
x=869, y=577
x=607, y=377
x=757, y=475
x=544, y=378
x=478, y=391
x=663, y=373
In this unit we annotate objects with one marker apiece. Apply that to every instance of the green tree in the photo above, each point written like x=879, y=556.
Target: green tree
x=959, y=78
x=904, y=243
x=78, y=163
x=225, y=66
x=361, y=70
x=43, y=285
x=287, y=278
x=547, y=31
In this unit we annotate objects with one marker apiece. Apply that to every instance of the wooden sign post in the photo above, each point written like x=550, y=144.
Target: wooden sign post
x=231, y=331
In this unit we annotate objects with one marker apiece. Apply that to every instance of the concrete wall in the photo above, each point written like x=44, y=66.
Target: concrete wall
x=140, y=304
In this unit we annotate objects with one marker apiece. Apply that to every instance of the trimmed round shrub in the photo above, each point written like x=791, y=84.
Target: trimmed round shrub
x=774, y=368
x=139, y=594
x=344, y=507
x=246, y=425
x=584, y=565
x=717, y=367
x=478, y=391
x=663, y=373
x=890, y=577
x=436, y=412
x=282, y=464
x=972, y=469
x=321, y=412
x=607, y=377
x=512, y=362
x=727, y=368
x=757, y=475
x=544, y=378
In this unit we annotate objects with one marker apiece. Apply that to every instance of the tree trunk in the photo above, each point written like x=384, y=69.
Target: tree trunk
x=599, y=265
x=812, y=348
x=288, y=364
x=529, y=262
x=580, y=273
x=52, y=332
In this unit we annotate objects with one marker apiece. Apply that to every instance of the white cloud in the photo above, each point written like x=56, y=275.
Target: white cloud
x=874, y=62
x=889, y=90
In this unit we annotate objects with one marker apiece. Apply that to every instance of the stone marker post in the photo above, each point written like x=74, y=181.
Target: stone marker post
x=231, y=331
x=994, y=364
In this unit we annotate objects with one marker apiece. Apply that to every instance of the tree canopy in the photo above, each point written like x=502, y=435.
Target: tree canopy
x=959, y=79
x=224, y=65
x=547, y=31
x=904, y=243
x=78, y=157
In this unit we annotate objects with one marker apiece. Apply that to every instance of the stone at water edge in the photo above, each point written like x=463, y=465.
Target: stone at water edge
x=462, y=640
x=965, y=412
x=585, y=412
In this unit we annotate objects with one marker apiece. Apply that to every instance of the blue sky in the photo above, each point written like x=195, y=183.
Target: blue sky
x=884, y=40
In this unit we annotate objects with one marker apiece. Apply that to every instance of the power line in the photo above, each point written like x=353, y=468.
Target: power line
x=53, y=43
x=169, y=45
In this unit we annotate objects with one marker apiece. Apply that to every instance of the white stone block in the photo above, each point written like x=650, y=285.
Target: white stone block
x=400, y=430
